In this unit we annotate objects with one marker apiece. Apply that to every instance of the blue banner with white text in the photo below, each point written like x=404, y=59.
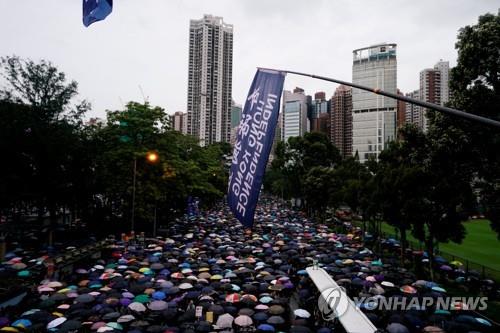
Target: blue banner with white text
x=253, y=144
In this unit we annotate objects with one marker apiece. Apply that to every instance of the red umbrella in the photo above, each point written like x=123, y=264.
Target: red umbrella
x=233, y=298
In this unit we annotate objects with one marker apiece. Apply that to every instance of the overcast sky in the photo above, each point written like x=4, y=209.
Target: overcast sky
x=145, y=42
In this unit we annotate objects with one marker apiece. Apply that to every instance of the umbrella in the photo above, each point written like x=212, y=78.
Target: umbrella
x=261, y=307
x=408, y=289
x=23, y=323
x=299, y=329
x=432, y=329
x=56, y=322
x=438, y=289
x=243, y=321
x=158, y=305
x=97, y=325
x=265, y=328
x=159, y=295
x=225, y=321
x=397, y=328
x=126, y=319
x=302, y=313
x=275, y=320
x=85, y=298
x=137, y=307
x=276, y=309
x=479, y=320
x=233, y=298
x=70, y=325
x=115, y=326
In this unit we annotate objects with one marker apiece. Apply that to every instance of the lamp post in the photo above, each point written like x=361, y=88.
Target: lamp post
x=151, y=157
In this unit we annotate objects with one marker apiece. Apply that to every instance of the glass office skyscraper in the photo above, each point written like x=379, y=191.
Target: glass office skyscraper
x=374, y=116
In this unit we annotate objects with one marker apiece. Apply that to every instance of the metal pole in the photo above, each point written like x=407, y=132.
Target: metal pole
x=132, y=222
x=439, y=108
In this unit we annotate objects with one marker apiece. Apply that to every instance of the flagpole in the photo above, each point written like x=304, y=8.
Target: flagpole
x=439, y=108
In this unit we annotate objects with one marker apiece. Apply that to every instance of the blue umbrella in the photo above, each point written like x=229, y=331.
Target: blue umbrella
x=266, y=328
x=159, y=295
x=24, y=323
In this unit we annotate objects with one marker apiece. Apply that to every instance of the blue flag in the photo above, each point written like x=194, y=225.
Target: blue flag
x=253, y=144
x=96, y=10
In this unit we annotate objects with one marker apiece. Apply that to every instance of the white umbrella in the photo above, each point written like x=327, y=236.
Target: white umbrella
x=243, y=321
x=56, y=322
x=126, y=319
x=302, y=313
x=225, y=321
x=185, y=286
x=137, y=307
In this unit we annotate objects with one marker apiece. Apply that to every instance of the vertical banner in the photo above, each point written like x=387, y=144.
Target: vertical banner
x=253, y=144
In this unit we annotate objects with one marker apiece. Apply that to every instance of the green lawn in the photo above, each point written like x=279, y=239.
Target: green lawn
x=480, y=244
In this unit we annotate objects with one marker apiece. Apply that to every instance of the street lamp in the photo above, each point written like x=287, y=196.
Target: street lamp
x=152, y=157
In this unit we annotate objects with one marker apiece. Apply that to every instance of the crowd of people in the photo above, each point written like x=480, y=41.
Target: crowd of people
x=210, y=275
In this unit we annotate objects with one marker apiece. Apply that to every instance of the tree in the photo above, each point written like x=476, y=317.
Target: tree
x=475, y=88
x=43, y=87
x=41, y=134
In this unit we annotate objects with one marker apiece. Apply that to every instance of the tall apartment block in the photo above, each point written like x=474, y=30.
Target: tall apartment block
x=179, y=122
x=210, y=79
x=341, y=120
x=434, y=88
x=413, y=113
x=374, y=116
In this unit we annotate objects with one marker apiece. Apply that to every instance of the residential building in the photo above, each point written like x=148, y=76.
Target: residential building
x=177, y=121
x=210, y=79
x=413, y=113
x=341, y=120
x=236, y=110
x=374, y=116
x=401, y=112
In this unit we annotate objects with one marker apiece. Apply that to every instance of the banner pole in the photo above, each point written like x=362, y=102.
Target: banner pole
x=439, y=108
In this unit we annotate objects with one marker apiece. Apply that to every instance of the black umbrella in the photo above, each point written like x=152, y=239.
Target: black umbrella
x=69, y=325
x=275, y=320
x=85, y=298
x=299, y=329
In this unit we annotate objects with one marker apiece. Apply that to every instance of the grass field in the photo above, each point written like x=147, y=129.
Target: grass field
x=480, y=244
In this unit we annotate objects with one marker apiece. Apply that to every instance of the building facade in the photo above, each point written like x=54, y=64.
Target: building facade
x=444, y=70
x=236, y=110
x=294, y=120
x=413, y=113
x=374, y=116
x=210, y=79
x=434, y=88
x=178, y=121
x=401, y=111
x=319, y=115
x=430, y=91
x=341, y=120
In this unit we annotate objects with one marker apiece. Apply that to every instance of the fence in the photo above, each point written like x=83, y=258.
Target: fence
x=468, y=265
